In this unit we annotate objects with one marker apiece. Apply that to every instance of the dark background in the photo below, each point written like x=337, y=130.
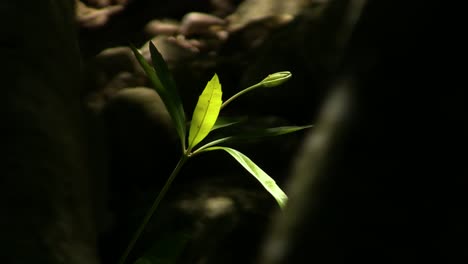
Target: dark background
x=87, y=144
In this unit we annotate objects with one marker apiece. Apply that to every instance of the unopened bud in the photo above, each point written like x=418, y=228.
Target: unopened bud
x=276, y=79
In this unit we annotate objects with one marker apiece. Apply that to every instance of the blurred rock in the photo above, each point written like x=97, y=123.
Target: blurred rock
x=195, y=23
x=222, y=8
x=118, y=59
x=91, y=17
x=173, y=50
x=305, y=46
x=110, y=71
x=162, y=27
x=103, y=3
x=252, y=35
x=252, y=10
x=128, y=25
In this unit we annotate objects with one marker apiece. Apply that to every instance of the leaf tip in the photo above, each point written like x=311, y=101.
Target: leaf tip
x=215, y=78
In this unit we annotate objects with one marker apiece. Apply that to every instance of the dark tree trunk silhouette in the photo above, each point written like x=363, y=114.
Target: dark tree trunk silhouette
x=45, y=191
x=380, y=179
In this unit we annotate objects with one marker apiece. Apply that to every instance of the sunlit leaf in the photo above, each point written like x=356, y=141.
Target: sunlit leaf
x=206, y=112
x=267, y=182
x=165, y=87
x=223, y=122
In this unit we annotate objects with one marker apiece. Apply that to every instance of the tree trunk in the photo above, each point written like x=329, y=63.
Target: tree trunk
x=45, y=196
x=380, y=179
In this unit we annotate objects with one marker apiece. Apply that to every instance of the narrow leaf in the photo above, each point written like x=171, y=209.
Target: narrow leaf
x=227, y=121
x=206, y=112
x=165, y=87
x=255, y=134
x=267, y=182
x=211, y=144
x=162, y=70
x=222, y=122
x=270, y=132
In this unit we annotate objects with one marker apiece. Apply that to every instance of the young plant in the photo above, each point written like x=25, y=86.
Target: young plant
x=204, y=120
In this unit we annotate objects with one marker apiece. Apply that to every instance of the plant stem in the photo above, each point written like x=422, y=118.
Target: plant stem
x=153, y=208
x=240, y=93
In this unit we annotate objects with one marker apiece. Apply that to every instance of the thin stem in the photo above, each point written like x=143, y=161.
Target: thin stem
x=240, y=93
x=182, y=141
x=153, y=208
x=212, y=143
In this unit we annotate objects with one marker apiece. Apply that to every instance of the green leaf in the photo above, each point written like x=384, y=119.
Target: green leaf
x=206, y=112
x=223, y=122
x=267, y=182
x=211, y=144
x=257, y=133
x=270, y=132
x=162, y=69
x=165, y=87
x=227, y=121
